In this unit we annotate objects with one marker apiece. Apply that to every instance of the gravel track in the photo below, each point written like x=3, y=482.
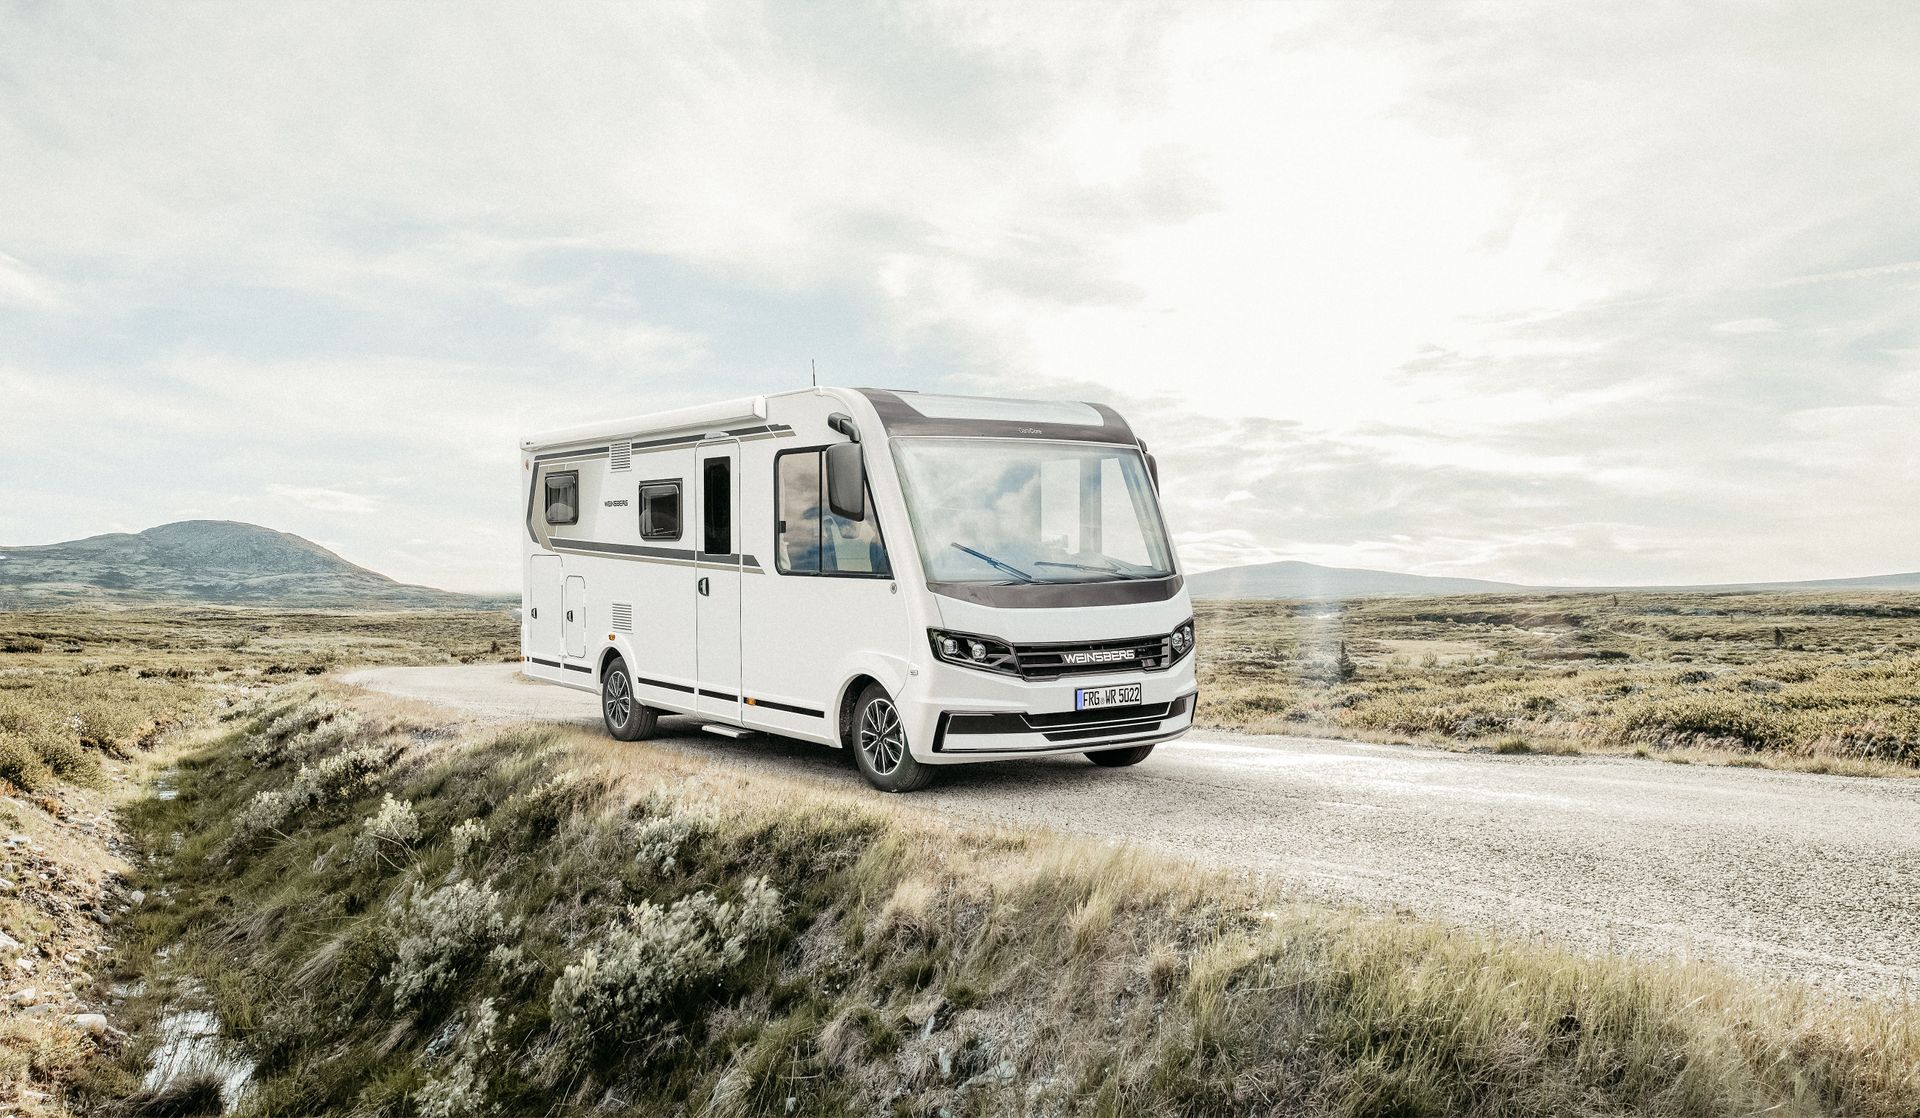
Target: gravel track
x=1771, y=873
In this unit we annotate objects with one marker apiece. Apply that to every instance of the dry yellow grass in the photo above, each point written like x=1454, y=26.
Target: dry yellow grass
x=919, y=966
x=1820, y=682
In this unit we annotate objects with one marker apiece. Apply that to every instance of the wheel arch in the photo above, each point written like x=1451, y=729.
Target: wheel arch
x=607, y=656
x=849, y=699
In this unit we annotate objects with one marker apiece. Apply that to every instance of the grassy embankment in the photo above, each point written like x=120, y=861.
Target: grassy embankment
x=84, y=698
x=545, y=921
x=1823, y=682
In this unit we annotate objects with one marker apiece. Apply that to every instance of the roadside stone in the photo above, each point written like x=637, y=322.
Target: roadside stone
x=24, y=997
x=137, y=896
x=24, y=965
x=93, y=1024
x=8, y=943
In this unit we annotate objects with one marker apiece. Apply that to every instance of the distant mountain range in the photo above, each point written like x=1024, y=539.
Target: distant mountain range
x=207, y=562
x=1293, y=579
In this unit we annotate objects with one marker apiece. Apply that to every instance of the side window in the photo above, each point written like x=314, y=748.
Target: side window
x=660, y=510
x=716, y=492
x=563, y=498
x=808, y=538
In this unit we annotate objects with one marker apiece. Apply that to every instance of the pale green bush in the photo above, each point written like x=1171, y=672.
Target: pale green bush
x=468, y=838
x=331, y=778
x=390, y=832
x=441, y=934
x=461, y=1088
x=624, y=987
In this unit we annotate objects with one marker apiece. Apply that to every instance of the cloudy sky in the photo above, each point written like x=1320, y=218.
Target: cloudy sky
x=1607, y=293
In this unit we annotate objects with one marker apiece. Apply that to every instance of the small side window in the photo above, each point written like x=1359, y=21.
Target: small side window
x=716, y=485
x=660, y=510
x=563, y=498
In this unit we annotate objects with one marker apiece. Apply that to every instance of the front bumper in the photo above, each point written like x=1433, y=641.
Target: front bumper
x=960, y=716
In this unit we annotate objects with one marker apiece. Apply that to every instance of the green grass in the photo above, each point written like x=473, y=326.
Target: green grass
x=1827, y=682
x=575, y=925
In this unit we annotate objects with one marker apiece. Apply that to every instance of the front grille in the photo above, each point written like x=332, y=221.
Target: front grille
x=1052, y=661
x=1062, y=730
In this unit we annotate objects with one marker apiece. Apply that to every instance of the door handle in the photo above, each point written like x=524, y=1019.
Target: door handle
x=705, y=589
x=569, y=615
x=536, y=613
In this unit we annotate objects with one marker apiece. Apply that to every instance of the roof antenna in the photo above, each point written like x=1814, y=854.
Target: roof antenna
x=816, y=372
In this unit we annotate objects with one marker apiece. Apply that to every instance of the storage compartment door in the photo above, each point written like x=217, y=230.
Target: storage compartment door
x=576, y=617
x=543, y=608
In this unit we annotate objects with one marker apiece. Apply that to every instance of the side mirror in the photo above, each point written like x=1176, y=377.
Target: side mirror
x=1153, y=472
x=847, y=481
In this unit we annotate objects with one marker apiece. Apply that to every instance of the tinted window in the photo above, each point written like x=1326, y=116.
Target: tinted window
x=809, y=538
x=716, y=492
x=563, y=498
x=660, y=510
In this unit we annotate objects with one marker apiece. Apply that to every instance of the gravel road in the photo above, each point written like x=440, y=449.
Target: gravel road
x=1776, y=874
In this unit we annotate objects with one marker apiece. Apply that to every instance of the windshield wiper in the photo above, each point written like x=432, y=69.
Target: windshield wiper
x=994, y=563
x=1116, y=571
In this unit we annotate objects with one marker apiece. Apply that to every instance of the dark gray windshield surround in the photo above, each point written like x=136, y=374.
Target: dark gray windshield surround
x=898, y=418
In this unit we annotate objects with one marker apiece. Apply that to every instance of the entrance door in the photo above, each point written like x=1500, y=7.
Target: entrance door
x=543, y=608
x=576, y=617
x=717, y=585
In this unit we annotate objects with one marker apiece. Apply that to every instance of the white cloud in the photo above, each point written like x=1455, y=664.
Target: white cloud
x=320, y=499
x=1748, y=326
x=24, y=287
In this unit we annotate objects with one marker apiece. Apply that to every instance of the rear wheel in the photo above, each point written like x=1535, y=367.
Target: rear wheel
x=626, y=719
x=880, y=744
x=1120, y=758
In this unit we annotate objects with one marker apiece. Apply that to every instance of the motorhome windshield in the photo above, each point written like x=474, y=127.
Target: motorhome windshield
x=1031, y=510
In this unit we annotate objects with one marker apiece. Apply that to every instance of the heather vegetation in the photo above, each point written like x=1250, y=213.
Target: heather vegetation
x=88, y=703
x=539, y=920
x=380, y=913
x=1828, y=682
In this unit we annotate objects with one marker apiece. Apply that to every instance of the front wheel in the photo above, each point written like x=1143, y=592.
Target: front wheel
x=1120, y=758
x=626, y=719
x=880, y=744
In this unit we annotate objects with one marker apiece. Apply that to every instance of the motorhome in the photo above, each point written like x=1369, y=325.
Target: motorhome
x=921, y=580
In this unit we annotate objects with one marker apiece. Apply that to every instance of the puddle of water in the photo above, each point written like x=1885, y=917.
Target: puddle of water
x=190, y=1048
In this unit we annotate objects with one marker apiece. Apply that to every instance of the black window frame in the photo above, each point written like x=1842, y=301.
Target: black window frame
x=679, y=507
x=873, y=517
x=546, y=500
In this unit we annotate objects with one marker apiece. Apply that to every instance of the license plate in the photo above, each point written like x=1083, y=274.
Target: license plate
x=1092, y=698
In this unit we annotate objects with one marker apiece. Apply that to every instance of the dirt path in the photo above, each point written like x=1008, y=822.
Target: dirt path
x=1773, y=873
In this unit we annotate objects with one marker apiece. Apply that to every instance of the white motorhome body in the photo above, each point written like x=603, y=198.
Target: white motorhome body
x=995, y=571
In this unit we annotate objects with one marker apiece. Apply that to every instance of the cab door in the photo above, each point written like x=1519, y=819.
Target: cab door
x=717, y=581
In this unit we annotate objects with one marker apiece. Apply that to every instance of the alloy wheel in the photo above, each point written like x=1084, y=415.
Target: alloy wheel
x=619, y=699
x=881, y=738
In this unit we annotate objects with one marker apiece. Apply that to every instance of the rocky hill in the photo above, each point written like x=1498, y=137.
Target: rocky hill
x=219, y=562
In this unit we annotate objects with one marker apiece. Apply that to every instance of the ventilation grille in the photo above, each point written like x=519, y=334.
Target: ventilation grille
x=623, y=617
x=622, y=455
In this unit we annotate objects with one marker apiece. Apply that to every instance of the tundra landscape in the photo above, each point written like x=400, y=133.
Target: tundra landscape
x=959, y=559
x=462, y=915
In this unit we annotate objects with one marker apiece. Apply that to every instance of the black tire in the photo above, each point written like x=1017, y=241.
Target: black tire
x=626, y=719
x=879, y=744
x=1120, y=758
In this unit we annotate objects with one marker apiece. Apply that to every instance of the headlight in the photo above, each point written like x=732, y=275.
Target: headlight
x=1182, y=640
x=971, y=651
